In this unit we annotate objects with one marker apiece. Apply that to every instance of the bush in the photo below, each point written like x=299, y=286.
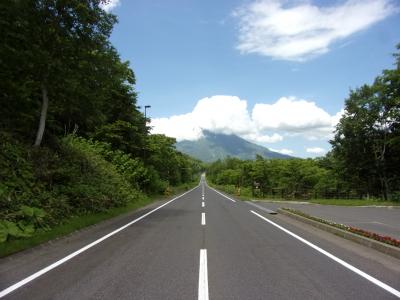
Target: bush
x=90, y=182
x=131, y=168
x=395, y=196
x=18, y=184
x=40, y=187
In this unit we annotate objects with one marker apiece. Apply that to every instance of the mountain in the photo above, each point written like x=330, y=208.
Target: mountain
x=214, y=146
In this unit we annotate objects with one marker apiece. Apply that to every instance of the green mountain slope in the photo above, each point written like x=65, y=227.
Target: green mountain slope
x=214, y=146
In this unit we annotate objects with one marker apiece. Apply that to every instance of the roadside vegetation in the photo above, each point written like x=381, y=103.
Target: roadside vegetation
x=80, y=221
x=372, y=235
x=246, y=195
x=74, y=146
x=364, y=162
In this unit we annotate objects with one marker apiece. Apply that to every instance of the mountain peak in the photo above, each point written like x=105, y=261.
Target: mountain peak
x=213, y=146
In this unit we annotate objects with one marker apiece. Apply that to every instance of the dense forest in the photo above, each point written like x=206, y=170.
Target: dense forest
x=364, y=161
x=72, y=138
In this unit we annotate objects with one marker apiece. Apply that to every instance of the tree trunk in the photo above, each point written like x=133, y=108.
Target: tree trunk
x=43, y=116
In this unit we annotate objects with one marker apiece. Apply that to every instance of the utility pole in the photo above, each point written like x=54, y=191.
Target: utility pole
x=145, y=124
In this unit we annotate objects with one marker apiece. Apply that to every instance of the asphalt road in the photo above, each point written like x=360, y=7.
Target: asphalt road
x=222, y=249
x=383, y=220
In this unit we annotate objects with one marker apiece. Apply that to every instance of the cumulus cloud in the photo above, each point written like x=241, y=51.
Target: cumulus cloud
x=268, y=123
x=290, y=114
x=182, y=127
x=259, y=138
x=316, y=150
x=221, y=114
x=299, y=30
x=109, y=5
x=283, y=151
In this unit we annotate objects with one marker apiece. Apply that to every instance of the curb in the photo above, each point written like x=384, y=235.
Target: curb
x=381, y=247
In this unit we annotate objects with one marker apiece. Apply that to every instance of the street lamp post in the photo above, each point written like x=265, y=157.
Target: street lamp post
x=145, y=112
x=145, y=124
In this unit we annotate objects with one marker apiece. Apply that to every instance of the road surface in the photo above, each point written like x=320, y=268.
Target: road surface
x=201, y=245
x=382, y=220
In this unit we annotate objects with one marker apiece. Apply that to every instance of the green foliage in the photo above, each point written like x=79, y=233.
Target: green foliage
x=97, y=153
x=124, y=136
x=18, y=184
x=171, y=166
x=59, y=47
x=90, y=182
x=11, y=229
x=293, y=178
x=76, y=179
x=28, y=219
x=366, y=144
x=33, y=215
x=41, y=187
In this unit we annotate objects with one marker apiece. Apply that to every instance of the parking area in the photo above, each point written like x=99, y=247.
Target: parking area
x=382, y=220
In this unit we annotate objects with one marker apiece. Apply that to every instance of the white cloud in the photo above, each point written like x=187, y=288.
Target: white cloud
x=290, y=114
x=109, y=5
x=283, y=151
x=298, y=30
x=222, y=114
x=315, y=150
x=181, y=127
x=268, y=123
x=336, y=118
x=263, y=138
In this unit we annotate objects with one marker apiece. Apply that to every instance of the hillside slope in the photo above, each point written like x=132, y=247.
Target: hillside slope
x=214, y=146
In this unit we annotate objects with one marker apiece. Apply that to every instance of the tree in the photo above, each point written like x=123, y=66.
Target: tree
x=53, y=44
x=366, y=141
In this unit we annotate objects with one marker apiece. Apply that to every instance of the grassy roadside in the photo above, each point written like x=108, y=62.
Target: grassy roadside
x=337, y=202
x=78, y=222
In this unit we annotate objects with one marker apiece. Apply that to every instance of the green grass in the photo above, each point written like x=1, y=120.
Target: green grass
x=81, y=221
x=338, y=202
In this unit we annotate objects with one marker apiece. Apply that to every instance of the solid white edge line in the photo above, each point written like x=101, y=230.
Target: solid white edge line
x=203, y=219
x=83, y=249
x=331, y=256
x=203, y=276
x=222, y=194
x=202, y=204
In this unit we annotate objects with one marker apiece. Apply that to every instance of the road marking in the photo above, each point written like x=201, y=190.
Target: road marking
x=203, y=275
x=203, y=219
x=222, y=194
x=202, y=197
x=271, y=212
x=202, y=204
x=331, y=256
x=83, y=249
x=373, y=222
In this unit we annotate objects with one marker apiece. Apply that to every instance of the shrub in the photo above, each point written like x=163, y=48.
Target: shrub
x=90, y=182
x=395, y=196
x=18, y=184
x=39, y=187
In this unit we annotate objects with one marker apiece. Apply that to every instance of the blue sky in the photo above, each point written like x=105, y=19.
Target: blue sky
x=274, y=72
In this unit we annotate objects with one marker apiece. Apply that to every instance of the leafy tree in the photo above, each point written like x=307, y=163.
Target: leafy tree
x=366, y=142
x=55, y=45
x=63, y=80
x=123, y=135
